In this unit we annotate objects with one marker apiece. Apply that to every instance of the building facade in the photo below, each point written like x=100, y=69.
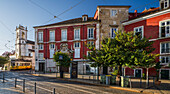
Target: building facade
x=24, y=49
x=69, y=36
x=72, y=34
x=153, y=23
x=111, y=18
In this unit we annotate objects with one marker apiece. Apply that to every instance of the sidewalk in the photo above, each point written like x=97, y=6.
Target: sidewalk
x=163, y=88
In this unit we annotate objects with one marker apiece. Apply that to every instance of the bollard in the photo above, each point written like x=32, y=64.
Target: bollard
x=35, y=88
x=23, y=85
x=130, y=83
x=140, y=82
x=3, y=77
x=153, y=81
x=15, y=82
x=54, y=91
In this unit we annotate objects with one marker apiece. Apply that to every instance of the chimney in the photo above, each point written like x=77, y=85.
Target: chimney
x=136, y=13
x=84, y=17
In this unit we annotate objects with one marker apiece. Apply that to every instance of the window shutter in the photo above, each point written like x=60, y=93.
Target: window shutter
x=51, y=53
x=77, y=53
x=162, y=31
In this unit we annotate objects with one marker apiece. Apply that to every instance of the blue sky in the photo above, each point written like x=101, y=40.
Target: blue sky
x=15, y=12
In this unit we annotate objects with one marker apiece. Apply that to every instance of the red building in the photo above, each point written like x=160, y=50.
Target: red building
x=153, y=23
x=68, y=36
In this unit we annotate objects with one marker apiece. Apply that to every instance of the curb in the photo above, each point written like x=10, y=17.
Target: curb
x=112, y=87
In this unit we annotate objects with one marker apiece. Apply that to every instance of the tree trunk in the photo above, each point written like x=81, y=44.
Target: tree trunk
x=147, y=78
x=98, y=73
x=120, y=73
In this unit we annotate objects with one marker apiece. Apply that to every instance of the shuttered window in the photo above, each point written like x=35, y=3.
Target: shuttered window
x=139, y=31
x=51, y=53
x=77, y=34
x=52, y=35
x=40, y=46
x=90, y=33
x=40, y=36
x=165, y=48
x=76, y=53
x=165, y=29
x=40, y=56
x=64, y=35
x=165, y=59
x=52, y=46
x=112, y=33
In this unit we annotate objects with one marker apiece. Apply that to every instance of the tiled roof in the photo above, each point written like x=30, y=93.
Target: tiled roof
x=146, y=12
x=71, y=21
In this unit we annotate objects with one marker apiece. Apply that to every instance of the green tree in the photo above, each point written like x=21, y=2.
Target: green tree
x=126, y=49
x=63, y=60
x=3, y=60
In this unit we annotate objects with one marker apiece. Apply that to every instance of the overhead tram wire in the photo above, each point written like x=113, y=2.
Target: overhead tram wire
x=66, y=11
x=44, y=9
x=6, y=27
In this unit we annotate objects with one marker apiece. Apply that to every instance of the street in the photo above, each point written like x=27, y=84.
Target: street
x=46, y=85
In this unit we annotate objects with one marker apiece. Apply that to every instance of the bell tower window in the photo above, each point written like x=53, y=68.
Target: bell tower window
x=23, y=35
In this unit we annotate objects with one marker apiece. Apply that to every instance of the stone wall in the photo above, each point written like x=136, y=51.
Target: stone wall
x=108, y=21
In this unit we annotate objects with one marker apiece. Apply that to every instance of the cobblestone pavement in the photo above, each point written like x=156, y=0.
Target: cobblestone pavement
x=46, y=85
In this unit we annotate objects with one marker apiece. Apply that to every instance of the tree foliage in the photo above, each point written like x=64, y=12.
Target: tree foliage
x=66, y=59
x=126, y=49
x=3, y=60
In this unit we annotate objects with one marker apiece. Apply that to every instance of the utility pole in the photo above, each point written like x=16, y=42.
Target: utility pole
x=46, y=52
x=83, y=48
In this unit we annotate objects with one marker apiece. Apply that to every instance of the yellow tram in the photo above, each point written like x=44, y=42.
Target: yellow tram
x=21, y=66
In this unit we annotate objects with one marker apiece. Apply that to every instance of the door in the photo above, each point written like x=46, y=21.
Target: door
x=41, y=67
x=138, y=73
x=164, y=74
x=105, y=70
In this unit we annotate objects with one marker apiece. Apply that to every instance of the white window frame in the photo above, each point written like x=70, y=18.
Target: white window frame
x=42, y=56
x=50, y=46
x=90, y=42
x=89, y=37
x=40, y=46
x=113, y=12
x=75, y=37
x=161, y=75
x=160, y=59
x=52, y=37
x=165, y=47
x=142, y=27
x=160, y=28
x=63, y=30
x=40, y=39
x=75, y=45
x=113, y=32
x=138, y=69
x=85, y=18
x=166, y=1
